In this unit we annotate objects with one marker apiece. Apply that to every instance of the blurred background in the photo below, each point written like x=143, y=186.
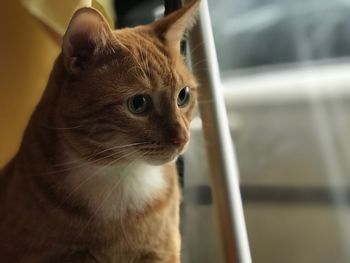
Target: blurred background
x=30, y=40
x=286, y=81
x=285, y=72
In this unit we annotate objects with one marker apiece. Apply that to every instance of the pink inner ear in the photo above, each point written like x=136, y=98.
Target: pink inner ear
x=87, y=26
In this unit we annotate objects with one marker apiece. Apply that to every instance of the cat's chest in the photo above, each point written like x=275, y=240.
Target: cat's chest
x=111, y=191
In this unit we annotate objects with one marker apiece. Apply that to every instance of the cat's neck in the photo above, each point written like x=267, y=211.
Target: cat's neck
x=111, y=191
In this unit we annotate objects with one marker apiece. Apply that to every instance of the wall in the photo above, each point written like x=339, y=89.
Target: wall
x=26, y=58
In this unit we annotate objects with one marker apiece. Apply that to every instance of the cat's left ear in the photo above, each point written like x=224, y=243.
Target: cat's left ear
x=88, y=35
x=172, y=28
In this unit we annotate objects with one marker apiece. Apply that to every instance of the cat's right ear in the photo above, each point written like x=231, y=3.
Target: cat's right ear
x=88, y=34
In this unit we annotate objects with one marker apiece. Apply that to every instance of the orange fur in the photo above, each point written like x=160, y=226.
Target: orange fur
x=92, y=181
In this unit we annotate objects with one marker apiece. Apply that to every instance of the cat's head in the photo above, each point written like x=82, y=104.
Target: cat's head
x=127, y=94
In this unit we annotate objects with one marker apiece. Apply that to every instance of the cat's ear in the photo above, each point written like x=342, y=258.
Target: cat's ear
x=172, y=28
x=88, y=34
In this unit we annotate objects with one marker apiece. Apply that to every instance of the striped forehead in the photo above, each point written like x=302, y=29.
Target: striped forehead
x=156, y=71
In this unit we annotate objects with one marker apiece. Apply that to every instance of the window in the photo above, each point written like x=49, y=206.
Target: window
x=286, y=77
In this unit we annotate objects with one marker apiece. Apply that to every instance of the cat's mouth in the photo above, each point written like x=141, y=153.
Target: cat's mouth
x=158, y=153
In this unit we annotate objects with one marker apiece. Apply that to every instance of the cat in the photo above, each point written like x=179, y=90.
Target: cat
x=94, y=179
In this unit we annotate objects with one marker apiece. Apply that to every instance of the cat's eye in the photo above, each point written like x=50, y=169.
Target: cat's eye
x=183, y=97
x=139, y=104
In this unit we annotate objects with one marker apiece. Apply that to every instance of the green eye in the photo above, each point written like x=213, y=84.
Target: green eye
x=139, y=104
x=183, y=97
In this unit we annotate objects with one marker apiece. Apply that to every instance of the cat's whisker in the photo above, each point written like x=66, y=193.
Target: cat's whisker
x=195, y=65
x=96, y=173
x=196, y=47
x=60, y=128
x=84, y=182
x=90, y=162
x=90, y=157
x=86, y=163
x=124, y=146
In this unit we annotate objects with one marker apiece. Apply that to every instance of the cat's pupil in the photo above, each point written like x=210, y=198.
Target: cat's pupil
x=184, y=97
x=139, y=104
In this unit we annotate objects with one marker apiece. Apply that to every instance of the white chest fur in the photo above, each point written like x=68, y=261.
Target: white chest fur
x=110, y=191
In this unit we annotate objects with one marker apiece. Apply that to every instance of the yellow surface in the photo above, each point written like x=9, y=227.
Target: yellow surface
x=27, y=53
x=26, y=58
x=56, y=14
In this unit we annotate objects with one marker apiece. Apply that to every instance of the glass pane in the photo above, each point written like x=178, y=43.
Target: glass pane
x=285, y=70
x=200, y=232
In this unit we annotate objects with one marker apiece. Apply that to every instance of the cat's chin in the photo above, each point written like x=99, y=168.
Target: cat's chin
x=161, y=161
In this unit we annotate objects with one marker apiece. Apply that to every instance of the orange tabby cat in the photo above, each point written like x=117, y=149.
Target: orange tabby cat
x=94, y=179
